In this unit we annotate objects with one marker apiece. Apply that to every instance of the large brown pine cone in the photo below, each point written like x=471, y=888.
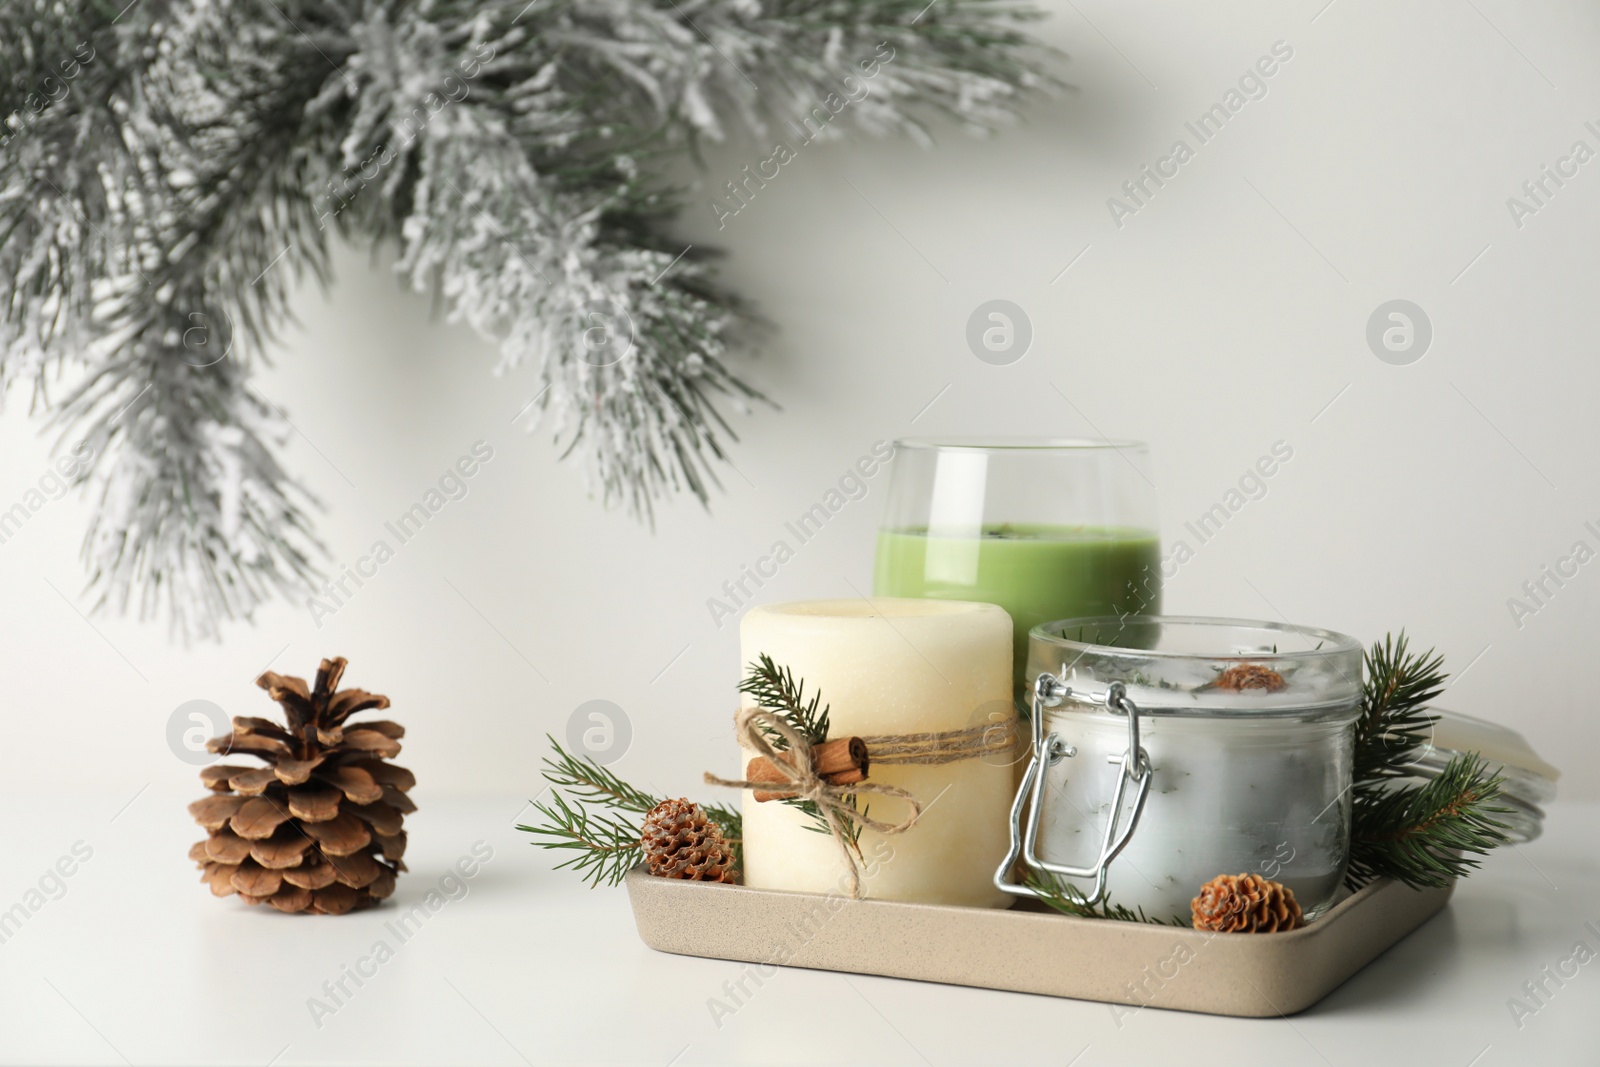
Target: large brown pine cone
x=1245, y=903
x=680, y=842
x=318, y=829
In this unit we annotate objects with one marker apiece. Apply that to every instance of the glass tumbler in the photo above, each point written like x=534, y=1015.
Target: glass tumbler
x=1044, y=528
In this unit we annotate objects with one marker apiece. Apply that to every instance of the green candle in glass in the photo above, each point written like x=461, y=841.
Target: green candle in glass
x=1047, y=529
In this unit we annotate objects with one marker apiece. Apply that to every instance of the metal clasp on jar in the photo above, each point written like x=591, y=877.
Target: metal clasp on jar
x=1050, y=691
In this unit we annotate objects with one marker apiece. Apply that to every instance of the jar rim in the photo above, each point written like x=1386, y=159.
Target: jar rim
x=1322, y=681
x=1330, y=641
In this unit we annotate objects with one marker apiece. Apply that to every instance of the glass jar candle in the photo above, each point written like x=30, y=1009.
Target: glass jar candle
x=1046, y=528
x=1170, y=750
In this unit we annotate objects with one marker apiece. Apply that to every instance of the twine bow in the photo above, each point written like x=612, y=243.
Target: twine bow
x=798, y=768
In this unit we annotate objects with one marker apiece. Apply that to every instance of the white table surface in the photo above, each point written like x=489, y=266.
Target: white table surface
x=135, y=962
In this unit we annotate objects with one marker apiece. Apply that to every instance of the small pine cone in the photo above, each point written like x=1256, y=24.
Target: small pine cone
x=680, y=842
x=1245, y=903
x=1250, y=676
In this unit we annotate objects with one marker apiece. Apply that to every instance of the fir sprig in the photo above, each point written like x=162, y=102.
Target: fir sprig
x=1429, y=835
x=1066, y=899
x=608, y=846
x=607, y=842
x=1395, y=720
x=775, y=689
x=1425, y=835
x=591, y=783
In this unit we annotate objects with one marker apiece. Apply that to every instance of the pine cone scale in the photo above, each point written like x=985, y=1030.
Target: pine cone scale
x=254, y=782
x=381, y=817
x=310, y=876
x=287, y=689
x=372, y=741
x=280, y=850
x=220, y=877
x=216, y=776
x=383, y=885
x=259, y=817
x=387, y=774
x=340, y=835
x=350, y=701
x=244, y=743
x=214, y=812
x=226, y=847
x=329, y=671
x=314, y=804
x=336, y=899
x=291, y=899
x=355, y=783
x=295, y=771
x=355, y=870
x=252, y=879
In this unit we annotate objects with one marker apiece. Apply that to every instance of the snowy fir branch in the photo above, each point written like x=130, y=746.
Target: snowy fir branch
x=169, y=170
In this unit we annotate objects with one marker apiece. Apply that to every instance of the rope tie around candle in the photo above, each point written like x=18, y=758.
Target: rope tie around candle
x=945, y=746
x=798, y=778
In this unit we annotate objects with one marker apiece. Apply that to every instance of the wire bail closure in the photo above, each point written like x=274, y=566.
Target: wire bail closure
x=1050, y=691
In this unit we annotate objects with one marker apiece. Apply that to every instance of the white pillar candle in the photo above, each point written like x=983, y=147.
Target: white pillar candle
x=893, y=666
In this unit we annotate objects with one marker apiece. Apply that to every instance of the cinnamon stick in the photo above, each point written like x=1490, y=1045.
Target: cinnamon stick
x=842, y=761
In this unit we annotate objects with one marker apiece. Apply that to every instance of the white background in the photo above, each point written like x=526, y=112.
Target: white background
x=1226, y=315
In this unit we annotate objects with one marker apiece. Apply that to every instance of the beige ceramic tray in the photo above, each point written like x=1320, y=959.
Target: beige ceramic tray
x=1030, y=951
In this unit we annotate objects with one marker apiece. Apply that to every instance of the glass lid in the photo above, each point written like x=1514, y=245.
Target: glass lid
x=1529, y=782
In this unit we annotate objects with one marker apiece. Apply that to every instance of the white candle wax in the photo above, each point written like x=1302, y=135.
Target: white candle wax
x=1244, y=796
x=891, y=666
